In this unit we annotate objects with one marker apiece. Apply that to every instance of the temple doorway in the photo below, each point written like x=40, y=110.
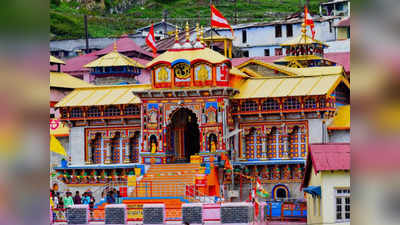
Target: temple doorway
x=184, y=135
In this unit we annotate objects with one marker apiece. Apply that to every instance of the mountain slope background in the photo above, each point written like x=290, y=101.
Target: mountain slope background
x=110, y=18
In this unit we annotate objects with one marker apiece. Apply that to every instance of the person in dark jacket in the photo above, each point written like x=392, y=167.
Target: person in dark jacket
x=77, y=198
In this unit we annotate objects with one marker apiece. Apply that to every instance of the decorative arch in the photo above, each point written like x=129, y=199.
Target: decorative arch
x=212, y=141
x=116, y=147
x=277, y=190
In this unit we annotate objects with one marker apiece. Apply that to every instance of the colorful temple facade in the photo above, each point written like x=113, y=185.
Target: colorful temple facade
x=198, y=108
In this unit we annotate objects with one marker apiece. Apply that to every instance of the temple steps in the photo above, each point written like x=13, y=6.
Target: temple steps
x=163, y=180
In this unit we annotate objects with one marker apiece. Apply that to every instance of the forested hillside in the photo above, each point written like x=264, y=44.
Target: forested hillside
x=116, y=17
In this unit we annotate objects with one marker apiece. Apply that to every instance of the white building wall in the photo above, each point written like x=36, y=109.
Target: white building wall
x=260, y=38
x=339, y=136
x=77, y=146
x=315, y=131
x=331, y=181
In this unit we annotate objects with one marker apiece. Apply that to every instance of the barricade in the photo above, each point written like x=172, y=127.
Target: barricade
x=116, y=214
x=153, y=214
x=237, y=213
x=192, y=213
x=77, y=214
x=211, y=212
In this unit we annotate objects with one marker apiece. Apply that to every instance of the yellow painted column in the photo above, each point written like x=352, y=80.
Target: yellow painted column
x=225, y=48
x=230, y=49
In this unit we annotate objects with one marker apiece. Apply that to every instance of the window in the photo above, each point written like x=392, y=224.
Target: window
x=244, y=36
x=245, y=53
x=95, y=148
x=52, y=116
x=93, y=112
x=348, y=33
x=330, y=26
x=310, y=103
x=278, y=51
x=266, y=52
x=281, y=193
x=248, y=106
x=235, y=107
x=291, y=103
x=63, y=113
x=343, y=204
x=76, y=113
x=278, y=30
x=322, y=103
x=132, y=110
x=112, y=111
x=289, y=30
x=270, y=104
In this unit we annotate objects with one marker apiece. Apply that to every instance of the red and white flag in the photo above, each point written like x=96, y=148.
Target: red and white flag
x=150, y=40
x=308, y=21
x=218, y=20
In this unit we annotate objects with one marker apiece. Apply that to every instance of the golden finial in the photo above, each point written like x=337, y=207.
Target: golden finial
x=201, y=35
x=197, y=31
x=115, y=46
x=176, y=33
x=187, y=31
x=303, y=28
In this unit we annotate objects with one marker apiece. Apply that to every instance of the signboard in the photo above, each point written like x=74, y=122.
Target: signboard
x=135, y=212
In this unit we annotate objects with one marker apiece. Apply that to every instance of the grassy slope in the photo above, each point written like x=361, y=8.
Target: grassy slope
x=66, y=21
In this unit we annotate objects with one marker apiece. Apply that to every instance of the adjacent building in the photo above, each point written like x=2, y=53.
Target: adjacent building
x=335, y=8
x=327, y=184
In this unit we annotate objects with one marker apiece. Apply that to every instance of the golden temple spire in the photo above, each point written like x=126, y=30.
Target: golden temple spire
x=187, y=31
x=201, y=34
x=115, y=46
x=197, y=32
x=176, y=33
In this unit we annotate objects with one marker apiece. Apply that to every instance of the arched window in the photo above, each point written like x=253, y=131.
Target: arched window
x=294, y=140
x=112, y=111
x=212, y=143
x=310, y=103
x=134, y=148
x=281, y=193
x=270, y=104
x=249, y=106
x=93, y=112
x=273, y=143
x=132, y=110
x=115, y=148
x=254, y=145
x=291, y=103
x=76, y=113
x=95, y=147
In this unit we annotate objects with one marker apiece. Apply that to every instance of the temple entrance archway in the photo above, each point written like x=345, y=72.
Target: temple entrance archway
x=184, y=134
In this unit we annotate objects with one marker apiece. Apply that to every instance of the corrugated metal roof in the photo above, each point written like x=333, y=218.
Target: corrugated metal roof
x=288, y=86
x=103, y=95
x=341, y=121
x=114, y=58
x=124, y=44
x=63, y=80
x=56, y=60
x=332, y=156
x=190, y=55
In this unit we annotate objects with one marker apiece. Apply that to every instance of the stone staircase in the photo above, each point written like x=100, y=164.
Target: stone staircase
x=167, y=180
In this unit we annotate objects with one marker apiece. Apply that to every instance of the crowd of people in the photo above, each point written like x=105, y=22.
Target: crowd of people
x=57, y=201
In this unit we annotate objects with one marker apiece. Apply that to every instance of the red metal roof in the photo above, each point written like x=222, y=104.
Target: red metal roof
x=333, y=156
x=327, y=157
x=124, y=44
x=344, y=22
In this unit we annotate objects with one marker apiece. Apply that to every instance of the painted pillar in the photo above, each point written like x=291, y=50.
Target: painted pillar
x=107, y=150
x=126, y=146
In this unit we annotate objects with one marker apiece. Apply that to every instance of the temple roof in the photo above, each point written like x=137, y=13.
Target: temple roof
x=341, y=121
x=102, y=95
x=63, y=80
x=303, y=39
x=191, y=55
x=124, y=44
x=288, y=86
x=114, y=58
x=56, y=60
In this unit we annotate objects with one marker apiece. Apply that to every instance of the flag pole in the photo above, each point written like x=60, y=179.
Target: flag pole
x=211, y=42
